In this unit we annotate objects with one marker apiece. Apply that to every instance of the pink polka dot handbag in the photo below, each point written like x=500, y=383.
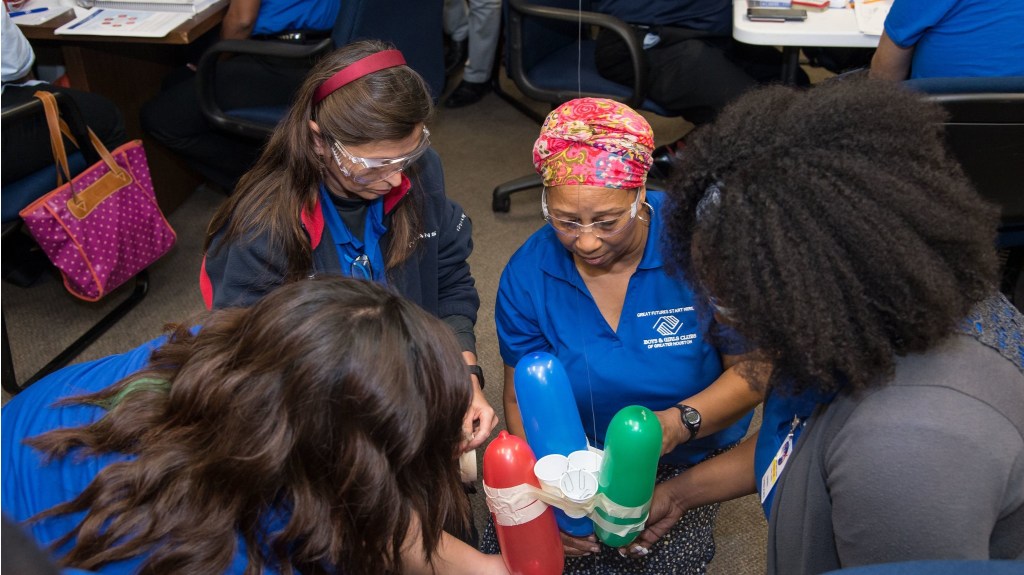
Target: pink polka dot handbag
x=103, y=226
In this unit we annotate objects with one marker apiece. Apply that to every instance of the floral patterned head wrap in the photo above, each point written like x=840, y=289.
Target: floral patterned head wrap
x=594, y=142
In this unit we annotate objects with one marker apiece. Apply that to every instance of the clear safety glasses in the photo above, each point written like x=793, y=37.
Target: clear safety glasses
x=372, y=170
x=361, y=268
x=601, y=229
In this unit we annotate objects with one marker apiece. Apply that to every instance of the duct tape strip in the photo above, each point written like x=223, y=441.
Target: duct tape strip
x=523, y=503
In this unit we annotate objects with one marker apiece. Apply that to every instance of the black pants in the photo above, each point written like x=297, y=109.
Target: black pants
x=175, y=119
x=691, y=73
x=27, y=144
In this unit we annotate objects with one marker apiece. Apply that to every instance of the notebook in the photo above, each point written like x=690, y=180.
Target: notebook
x=190, y=6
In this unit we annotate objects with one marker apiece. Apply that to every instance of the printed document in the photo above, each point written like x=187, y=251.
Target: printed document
x=111, y=22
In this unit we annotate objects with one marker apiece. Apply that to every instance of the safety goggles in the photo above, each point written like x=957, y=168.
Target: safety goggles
x=372, y=170
x=602, y=229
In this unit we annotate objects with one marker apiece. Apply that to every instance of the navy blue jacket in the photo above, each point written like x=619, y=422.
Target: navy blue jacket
x=436, y=276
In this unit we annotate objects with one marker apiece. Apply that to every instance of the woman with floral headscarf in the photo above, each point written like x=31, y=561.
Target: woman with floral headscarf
x=590, y=288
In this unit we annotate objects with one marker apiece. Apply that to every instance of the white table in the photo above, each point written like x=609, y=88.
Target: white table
x=833, y=28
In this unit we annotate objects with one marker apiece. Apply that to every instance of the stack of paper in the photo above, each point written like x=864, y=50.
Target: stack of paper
x=35, y=12
x=871, y=15
x=191, y=6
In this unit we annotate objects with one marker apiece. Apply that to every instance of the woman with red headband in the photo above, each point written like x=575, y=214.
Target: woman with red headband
x=591, y=288
x=348, y=185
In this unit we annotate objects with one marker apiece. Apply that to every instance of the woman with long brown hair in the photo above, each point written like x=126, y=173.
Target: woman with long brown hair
x=312, y=433
x=348, y=185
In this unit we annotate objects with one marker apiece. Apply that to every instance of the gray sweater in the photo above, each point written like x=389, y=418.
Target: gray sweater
x=930, y=466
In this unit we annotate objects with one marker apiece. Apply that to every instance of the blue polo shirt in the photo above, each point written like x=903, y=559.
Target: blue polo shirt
x=281, y=15
x=658, y=357
x=30, y=485
x=954, y=38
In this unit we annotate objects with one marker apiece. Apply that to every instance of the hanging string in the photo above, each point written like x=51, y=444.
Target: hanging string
x=586, y=356
x=579, y=319
x=579, y=49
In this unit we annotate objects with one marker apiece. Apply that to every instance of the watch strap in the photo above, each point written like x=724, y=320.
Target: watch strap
x=478, y=372
x=693, y=428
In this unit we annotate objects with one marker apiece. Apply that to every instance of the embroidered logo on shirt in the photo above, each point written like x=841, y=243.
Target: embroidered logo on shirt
x=667, y=325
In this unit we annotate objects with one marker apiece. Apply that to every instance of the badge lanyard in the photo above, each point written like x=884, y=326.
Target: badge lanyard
x=783, y=418
x=778, y=463
x=353, y=251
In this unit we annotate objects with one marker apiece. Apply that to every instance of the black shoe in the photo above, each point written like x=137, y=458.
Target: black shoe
x=454, y=55
x=467, y=93
x=665, y=158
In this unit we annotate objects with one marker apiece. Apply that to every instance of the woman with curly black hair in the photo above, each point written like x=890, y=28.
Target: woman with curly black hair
x=833, y=231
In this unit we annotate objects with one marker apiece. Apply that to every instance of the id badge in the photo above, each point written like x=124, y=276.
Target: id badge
x=771, y=475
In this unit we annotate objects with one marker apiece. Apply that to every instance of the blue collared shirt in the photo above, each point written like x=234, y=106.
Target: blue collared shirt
x=658, y=356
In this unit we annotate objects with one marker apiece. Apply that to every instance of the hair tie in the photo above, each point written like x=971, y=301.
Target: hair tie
x=362, y=67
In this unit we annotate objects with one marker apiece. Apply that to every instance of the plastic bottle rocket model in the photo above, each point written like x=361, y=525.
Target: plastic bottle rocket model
x=532, y=547
x=551, y=419
x=632, y=448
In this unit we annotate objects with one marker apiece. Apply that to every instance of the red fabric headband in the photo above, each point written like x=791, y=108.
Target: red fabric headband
x=358, y=69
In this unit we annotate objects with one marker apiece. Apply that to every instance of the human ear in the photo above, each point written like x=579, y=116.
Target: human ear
x=318, y=142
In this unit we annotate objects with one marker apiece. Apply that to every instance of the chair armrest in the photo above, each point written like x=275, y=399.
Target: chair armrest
x=616, y=25
x=24, y=110
x=206, y=74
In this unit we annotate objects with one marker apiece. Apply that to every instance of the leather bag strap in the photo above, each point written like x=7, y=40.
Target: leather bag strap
x=60, y=157
x=57, y=126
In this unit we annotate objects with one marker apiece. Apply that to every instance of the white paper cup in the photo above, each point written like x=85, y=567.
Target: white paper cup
x=579, y=485
x=550, y=469
x=585, y=460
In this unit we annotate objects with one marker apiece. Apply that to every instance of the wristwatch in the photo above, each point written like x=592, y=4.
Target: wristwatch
x=690, y=418
x=479, y=373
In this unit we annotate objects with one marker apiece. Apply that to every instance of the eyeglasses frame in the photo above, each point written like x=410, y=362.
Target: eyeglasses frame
x=589, y=228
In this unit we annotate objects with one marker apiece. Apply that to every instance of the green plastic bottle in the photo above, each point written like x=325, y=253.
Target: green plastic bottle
x=632, y=448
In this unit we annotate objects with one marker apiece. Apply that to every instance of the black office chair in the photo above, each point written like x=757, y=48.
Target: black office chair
x=985, y=132
x=413, y=26
x=19, y=251
x=549, y=55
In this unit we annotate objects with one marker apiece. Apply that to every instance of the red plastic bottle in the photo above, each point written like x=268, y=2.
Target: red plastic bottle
x=534, y=547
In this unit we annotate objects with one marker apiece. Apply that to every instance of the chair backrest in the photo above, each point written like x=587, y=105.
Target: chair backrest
x=550, y=53
x=985, y=132
x=414, y=26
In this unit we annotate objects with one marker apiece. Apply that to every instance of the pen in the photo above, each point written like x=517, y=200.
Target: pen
x=23, y=12
x=87, y=18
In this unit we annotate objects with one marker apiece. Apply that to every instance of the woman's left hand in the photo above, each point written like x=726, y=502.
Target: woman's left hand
x=480, y=420
x=664, y=514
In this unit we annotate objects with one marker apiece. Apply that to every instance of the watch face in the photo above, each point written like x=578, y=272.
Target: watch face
x=692, y=417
